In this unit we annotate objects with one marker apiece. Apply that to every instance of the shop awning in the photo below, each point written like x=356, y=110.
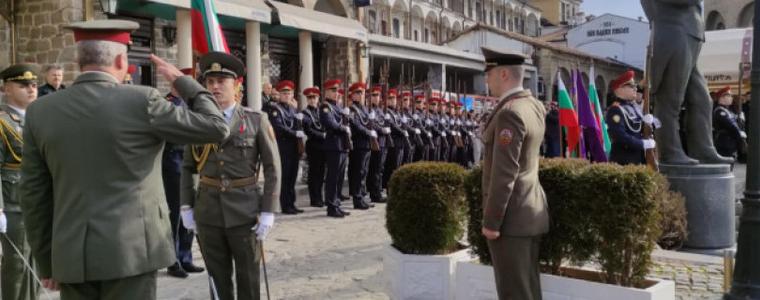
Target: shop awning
x=316, y=21
x=249, y=10
x=398, y=48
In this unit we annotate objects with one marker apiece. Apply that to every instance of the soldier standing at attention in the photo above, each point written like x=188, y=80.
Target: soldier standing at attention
x=399, y=135
x=93, y=201
x=231, y=213
x=420, y=121
x=361, y=136
x=406, y=112
x=336, y=141
x=171, y=172
x=625, y=123
x=377, y=159
x=283, y=117
x=315, y=153
x=515, y=213
x=20, y=88
x=728, y=134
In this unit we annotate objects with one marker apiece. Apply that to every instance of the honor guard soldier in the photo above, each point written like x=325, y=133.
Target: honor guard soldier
x=337, y=142
x=420, y=121
x=315, y=153
x=93, y=198
x=625, y=123
x=363, y=136
x=284, y=122
x=171, y=171
x=433, y=124
x=728, y=135
x=399, y=134
x=20, y=88
x=515, y=213
x=379, y=120
x=406, y=111
x=231, y=213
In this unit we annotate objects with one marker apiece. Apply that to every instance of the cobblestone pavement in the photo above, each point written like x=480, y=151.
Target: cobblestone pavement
x=310, y=256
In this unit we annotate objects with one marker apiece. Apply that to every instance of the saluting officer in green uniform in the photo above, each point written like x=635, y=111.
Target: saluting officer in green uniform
x=91, y=191
x=20, y=88
x=232, y=213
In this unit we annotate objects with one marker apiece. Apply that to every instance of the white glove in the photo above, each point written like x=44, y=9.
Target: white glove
x=266, y=221
x=372, y=115
x=417, y=131
x=187, y=217
x=373, y=133
x=387, y=116
x=649, y=144
x=386, y=130
x=443, y=134
x=299, y=116
x=454, y=133
x=346, y=111
x=429, y=122
x=648, y=119
x=743, y=134
x=415, y=116
x=346, y=129
x=404, y=119
x=300, y=134
x=429, y=134
x=406, y=133
x=3, y=223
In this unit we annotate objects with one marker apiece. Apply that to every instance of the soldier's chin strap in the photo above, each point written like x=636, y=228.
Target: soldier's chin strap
x=27, y=265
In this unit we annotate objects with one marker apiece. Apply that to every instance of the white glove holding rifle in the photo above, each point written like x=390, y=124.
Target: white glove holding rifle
x=266, y=222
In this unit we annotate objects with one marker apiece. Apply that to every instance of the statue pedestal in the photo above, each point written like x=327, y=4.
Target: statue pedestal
x=710, y=203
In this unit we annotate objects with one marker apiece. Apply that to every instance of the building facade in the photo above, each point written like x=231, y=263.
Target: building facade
x=726, y=14
x=559, y=12
x=614, y=37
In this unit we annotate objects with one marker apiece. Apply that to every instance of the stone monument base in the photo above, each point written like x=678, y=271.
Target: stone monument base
x=710, y=203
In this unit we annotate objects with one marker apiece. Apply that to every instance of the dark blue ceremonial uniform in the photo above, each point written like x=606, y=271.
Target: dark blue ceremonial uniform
x=333, y=147
x=424, y=149
x=728, y=134
x=315, y=154
x=284, y=124
x=400, y=137
x=624, y=125
x=379, y=121
x=171, y=168
x=358, y=158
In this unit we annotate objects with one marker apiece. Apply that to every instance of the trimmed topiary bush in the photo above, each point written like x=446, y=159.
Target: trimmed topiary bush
x=426, y=208
x=606, y=213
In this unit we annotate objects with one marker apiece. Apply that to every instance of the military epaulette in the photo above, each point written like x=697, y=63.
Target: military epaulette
x=250, y=110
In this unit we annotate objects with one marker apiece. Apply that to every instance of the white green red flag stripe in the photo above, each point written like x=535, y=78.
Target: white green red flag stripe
x=207, y=32
x=594, y=96
x=568, y=118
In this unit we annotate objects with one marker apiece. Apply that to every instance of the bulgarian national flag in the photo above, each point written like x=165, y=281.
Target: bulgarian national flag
x=594, y=96
x=207, y=33
x=568, y=117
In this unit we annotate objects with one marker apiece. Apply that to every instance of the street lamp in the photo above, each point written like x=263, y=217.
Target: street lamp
x=746, y=283
x=108, y=6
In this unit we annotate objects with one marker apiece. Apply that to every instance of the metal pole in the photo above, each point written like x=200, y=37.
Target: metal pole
x=746, y=283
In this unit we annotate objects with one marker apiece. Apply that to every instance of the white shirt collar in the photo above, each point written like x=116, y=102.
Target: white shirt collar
x=21, y=112
x=228, y=112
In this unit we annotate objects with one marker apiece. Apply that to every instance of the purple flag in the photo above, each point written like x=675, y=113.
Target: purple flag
x=587, y=121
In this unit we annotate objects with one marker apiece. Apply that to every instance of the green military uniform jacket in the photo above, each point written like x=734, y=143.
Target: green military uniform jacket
x=251, y=142
x=92, y=192
x=513, y=199
x=10, y=157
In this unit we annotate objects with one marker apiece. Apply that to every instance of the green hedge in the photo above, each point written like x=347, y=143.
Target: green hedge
x=607, y=213
x=426, y=208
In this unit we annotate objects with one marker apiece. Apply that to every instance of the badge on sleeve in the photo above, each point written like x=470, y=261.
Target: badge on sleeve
x=274, y=114
x=505, y=137
x=616, y=118
x=326, y=109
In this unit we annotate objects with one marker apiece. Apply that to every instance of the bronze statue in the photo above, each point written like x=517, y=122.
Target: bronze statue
x=678, y=31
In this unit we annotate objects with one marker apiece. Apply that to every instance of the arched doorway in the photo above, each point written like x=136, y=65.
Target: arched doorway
x=715, y=21
x=746, y=15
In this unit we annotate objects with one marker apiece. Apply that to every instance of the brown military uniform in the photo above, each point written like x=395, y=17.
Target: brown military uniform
x=228, y=199
x=513, y=200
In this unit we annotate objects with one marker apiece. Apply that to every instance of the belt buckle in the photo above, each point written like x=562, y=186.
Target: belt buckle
x=225, y=182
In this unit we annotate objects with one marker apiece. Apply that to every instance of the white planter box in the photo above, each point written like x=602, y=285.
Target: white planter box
x=420, y=277
x=476, y=282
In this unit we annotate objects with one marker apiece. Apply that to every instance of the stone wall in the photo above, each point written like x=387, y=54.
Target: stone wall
x=163, y=50
x=729, y=12
x=5, y=43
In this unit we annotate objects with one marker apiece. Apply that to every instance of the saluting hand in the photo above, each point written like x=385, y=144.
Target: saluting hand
x=169, y=71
